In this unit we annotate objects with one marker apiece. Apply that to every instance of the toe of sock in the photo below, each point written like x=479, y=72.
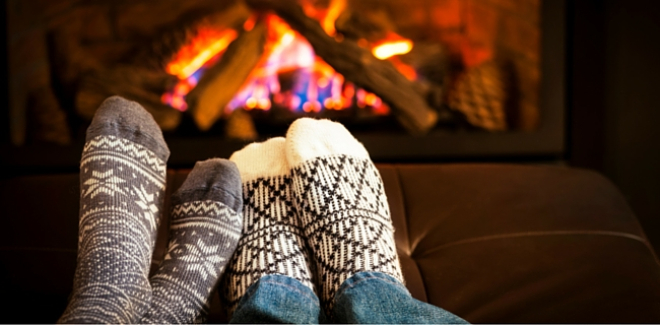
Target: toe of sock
x=127, y=119
x=264, y=159
x=213, y=179
x=309, y=138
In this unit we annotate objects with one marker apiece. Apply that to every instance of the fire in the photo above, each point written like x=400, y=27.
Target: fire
x=389, y=49
x=205, y=46
x=325, y=15
x=316, y=85
x=289, y=75
x=334, y=10
x=188, y=63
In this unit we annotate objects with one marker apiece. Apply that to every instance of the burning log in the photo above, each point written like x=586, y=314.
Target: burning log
x=354, y=26
x=221, y=82
x=430, y=60
x=358, y=66
x=240, y=126
x=141, y=85
x=156, y=54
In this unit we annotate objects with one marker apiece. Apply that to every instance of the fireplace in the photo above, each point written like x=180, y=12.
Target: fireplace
x=413, y=80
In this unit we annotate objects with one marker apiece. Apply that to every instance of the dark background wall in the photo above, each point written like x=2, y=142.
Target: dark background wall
x=614, y=98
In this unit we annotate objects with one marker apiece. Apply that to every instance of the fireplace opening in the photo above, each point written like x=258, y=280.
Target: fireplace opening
x=413, y=80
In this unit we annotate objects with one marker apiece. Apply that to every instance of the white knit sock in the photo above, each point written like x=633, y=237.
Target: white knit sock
x=341, y=201
x=272, y=241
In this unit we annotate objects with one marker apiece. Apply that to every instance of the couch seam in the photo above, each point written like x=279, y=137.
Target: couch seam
x=405, y=207
x=405, y=211
x=535, y=234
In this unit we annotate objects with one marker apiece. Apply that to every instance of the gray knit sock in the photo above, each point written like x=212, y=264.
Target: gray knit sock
x=122, y=181
x=204, y=231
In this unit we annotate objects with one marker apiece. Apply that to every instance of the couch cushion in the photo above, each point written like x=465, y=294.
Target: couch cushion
x=491, y=243
x=531, y=244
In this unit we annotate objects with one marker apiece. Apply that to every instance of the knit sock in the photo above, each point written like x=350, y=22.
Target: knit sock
x=272, y=240
x=342, y=205
x=122, y=182
x=204, y=231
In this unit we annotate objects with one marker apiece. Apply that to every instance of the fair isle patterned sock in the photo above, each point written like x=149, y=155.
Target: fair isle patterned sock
x=342, y=205
x=271, y=242
x=204, y=231
x=122, y=182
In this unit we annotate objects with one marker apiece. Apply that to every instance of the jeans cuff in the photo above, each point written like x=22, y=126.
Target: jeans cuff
x=286, y=282
x=360, y=277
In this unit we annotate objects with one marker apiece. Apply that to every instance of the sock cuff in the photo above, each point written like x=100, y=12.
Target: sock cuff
x=261, y=160
x=215, y=180
x=127, y=119
x=309, y=138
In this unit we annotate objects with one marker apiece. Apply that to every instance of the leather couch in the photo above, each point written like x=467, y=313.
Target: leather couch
x=492, y=243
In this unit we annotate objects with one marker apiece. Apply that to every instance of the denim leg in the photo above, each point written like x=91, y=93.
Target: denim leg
x=374, y=297
x=278, y=299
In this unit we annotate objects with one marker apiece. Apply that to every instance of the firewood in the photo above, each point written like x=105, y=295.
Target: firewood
x=141, y=85
x=221, y=82
x=430, y=60
x=359, y=66
x=356, y=25
x=240, y=126
x=157, y=53
x=479, y=93
x=46, y=120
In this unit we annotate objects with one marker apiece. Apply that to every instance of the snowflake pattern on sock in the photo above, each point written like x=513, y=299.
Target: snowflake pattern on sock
x=346, y=220
x=204, y=234
x=122, y=190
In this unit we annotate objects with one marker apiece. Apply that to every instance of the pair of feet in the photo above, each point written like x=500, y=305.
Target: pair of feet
x=315, y=210
x=123, y=178
x=312, y=201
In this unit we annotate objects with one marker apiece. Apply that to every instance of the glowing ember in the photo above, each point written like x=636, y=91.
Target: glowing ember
x=389, y=49
x=250, y=22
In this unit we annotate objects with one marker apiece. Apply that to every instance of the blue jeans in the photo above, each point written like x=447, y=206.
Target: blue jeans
x=366, y=297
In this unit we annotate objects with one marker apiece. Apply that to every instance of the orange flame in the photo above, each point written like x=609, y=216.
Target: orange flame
x=314, y=86
x=334, y=10
x=250, y=22
x=406, y=70
x=204, y=46
x=325, y=15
